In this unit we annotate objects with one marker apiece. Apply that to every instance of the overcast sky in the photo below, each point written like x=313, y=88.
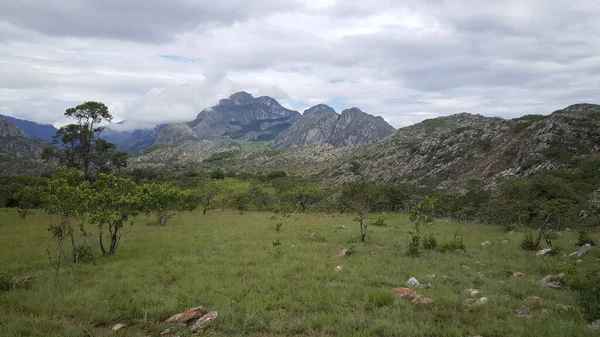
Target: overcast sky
x=155, y=61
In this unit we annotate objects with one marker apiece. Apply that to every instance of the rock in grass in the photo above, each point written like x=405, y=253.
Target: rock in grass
x=430, y=276
x=544, y=252
x=338, y=269
x=565, y=307
x=518, y=274
x=595, y=325
x=118, y=327
x=413, y=282
x=472, y=292
x=485, y=244
x=532, y=302
x=411, y=296
x=343, y=252
x=204, y=321
x=553, y=281
x=312, y=236
x=522, y=312
x=188, y=315
x=480, y=301
x=504, y=242
x=583, y=250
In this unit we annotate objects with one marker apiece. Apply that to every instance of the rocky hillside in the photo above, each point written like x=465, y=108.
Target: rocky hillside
x=19, y=153
x=132, y=140
x=44, y=132
x=243, y=117
x=322, y=125
x=452, y=150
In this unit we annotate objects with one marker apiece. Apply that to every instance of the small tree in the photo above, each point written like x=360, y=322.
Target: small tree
x=27, y=198
x=166, y=200
x=115, y=201
x=64, y=201
x=421, y=214
x=362, y=197
x=305, y=195
x=205, y=193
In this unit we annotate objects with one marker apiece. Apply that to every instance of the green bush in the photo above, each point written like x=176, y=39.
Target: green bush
x=584, y=238
x=429, y=242
x=453, y=245
x=84, y=254
x=587, y=285
x=413, y=246
x=529, y=243
x=380, y=222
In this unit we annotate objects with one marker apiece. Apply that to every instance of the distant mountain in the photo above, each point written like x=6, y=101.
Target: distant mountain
x=134, y=140
x=322, y=125
x=452, y=150
x=243, y=117
x=34, y=130
x=19, y=153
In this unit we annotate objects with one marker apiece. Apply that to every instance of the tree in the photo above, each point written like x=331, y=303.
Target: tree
x=115, y=202
x=80, y=145
x=29, y=197
x=65, y=199
x=166, y=200
x=362, y=197
x=205, y=193
x=305, y=195
x=421, y=214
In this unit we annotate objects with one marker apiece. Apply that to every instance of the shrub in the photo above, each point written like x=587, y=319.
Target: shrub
x=453, y=245
x=380, y=222
x=413, y=246
x=584, y=238
x=529, y=243
x=84, y=254
x=587, y=285
x=278, y=226
x=429, y=242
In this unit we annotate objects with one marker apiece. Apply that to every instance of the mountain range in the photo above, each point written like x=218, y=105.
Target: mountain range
x=259, y=135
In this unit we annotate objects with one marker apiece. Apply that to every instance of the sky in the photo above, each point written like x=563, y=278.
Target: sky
x=159, y=61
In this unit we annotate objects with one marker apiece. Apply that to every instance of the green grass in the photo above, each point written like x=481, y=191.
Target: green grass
x=227, y=263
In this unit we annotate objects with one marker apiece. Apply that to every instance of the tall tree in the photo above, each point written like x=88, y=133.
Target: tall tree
x=80, y=145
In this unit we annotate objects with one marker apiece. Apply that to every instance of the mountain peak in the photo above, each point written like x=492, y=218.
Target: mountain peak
x=8, y=129
x=319, y=109
x=239, y=98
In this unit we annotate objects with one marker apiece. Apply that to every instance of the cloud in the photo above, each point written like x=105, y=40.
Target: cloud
x=405, y=61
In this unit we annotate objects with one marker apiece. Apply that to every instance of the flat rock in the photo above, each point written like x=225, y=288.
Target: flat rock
x=118, y=327
x=411, y=296
x=518, y=274
x=522, y=312
x=544, y=252
x=595, y=325
x=204, y=321
x=413, y=282
x=583, y=250
x=186, y=316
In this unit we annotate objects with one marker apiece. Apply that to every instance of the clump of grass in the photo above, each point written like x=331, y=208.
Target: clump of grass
x=380, y=222
x=528, y=242
x=455, y=244
x=584, y=238
x=429, y=242
x=6, y=283
x=380, y=298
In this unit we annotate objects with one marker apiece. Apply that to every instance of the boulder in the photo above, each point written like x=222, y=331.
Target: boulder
x=204, y=321
x=186, y=316
x=583, y=250
x=413, y=282
x=411, y=296
x=553, y=281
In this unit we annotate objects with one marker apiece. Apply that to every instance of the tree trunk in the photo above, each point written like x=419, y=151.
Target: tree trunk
x=101, y=243
x=205, y=208
x=73, y=244
x=363, y=229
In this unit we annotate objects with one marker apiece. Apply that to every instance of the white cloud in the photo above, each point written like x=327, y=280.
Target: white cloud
x=406, y=60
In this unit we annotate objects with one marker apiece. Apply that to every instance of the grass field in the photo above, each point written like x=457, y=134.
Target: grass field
x=227, y=263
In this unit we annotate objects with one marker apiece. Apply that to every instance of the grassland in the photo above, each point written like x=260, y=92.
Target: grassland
x=227, y=262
